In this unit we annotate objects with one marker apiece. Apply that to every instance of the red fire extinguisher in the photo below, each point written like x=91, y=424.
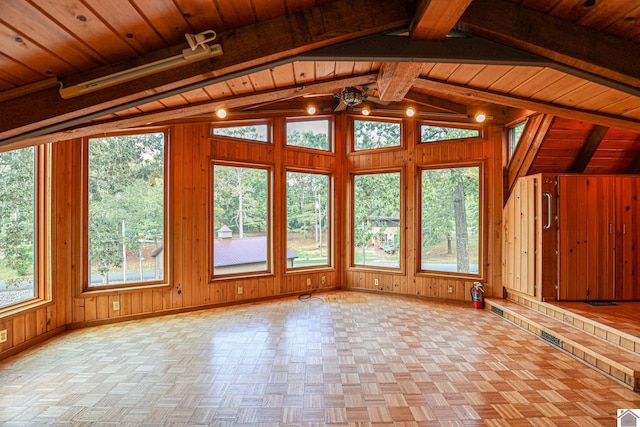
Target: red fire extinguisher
x=477, y=295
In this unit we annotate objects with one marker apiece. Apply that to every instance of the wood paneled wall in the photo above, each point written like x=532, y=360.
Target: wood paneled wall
x=192, y=150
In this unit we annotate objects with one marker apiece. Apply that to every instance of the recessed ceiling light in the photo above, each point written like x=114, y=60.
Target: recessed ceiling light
x=411, y=111
x=221, y=113
x=311, y=110
x=366, y=111
x=480, y=117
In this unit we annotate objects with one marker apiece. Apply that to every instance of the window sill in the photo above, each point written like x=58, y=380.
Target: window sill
x=90, y=292
x=21, y=307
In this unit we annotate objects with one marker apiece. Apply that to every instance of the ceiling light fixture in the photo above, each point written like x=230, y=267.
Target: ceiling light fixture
x=480, y=117
x=311, y=110
x=410, y=112
x=198, y=50
x=366, y=111
x=221, y=113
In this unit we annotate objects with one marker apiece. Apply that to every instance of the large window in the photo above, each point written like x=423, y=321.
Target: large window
x=240, y=220
x=376, y=219
x=309, y=134
x=125, y=209
x=307, y=219
x=451, y=219
x=371, y=134
x=17, y=226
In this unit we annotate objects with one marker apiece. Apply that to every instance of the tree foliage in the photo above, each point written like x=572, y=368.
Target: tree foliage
x=240, y=198
x=17, y=220
x=126, y=189
x=450, y=210
x=436, y=133
x=375, y=134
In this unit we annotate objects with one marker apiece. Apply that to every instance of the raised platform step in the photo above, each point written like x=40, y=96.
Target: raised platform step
x=618, y=330
x=613, y=359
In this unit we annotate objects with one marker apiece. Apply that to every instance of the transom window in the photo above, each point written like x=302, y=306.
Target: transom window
x=376, y=220
x=515, y=133
x=309, y=134
x=372, y=134
x=125, y=212
x=429, y=133
x=241, y=220
x=308, y=243
x=450, y=220
x=255, y=132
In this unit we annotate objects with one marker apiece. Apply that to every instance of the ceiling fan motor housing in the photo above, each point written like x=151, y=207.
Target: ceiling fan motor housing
x=351, y=96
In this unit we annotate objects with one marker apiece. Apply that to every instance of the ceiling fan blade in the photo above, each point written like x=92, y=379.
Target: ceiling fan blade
x=315, y=95
x=341, y=106
x=376, y=100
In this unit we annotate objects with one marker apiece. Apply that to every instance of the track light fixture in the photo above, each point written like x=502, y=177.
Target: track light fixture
x=198, y=50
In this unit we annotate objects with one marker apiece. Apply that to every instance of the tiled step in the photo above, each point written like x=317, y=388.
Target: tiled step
x=608, y=357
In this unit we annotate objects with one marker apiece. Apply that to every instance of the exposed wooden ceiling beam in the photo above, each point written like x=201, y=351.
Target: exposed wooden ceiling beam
x=588, y=149
x=435, y=18
x=437, y=103
x=580, y=47
x=634, y=166
x=75, y=129
x=395, y=79
x=452, y=50
x=533, y=134
x=450, y=89
x=246, y=48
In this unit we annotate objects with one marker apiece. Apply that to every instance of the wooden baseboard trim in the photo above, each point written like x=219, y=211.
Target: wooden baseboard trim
x=109, y=321
x=32, y=342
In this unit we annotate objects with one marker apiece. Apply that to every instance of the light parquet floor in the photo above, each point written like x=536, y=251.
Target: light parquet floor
x=337, y=359
x=623, y=316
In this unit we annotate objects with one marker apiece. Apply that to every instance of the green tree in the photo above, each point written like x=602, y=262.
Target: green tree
x=126, y=196
x=374, y=134
x=17, y=215
x=437, y=133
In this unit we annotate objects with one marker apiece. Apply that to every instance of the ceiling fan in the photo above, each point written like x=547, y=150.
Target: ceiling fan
x=351, y=96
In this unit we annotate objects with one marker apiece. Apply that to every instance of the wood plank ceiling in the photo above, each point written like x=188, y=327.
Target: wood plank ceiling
x=574, y=61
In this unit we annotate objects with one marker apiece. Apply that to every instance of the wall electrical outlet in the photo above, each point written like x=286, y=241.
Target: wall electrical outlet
x=450, y=289
x=376, y=281
x=116, y=306
x=3, y=335
x=308, y=281
x=323, y=280
x=240, y=290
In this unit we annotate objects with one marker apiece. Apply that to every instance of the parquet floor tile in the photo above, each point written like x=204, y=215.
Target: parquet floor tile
x=341, y=359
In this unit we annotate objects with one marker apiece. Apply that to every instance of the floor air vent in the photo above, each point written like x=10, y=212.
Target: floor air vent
x=551, y=339
x=497, y=311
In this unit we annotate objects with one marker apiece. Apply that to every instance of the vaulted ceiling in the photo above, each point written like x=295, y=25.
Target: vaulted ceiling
x=572, y=65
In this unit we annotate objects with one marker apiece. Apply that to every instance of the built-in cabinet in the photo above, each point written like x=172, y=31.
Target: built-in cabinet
x=573, y=237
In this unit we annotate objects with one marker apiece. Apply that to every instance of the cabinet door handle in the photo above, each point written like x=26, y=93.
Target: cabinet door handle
x=547, y=196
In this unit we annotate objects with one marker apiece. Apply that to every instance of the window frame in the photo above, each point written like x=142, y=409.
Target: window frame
x=270, y=271
x=243, y=123
x=87, y=290
x=466, y=126
x=42, y=239
x=482, y=244
x=512, y=143
x=330, y=218
x=330, y=133
x=351, y=135
x=400, y=270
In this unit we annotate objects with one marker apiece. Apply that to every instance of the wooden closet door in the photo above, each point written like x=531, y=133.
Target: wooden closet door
x=572, y=241
x=627, y=253
x=601, y=236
